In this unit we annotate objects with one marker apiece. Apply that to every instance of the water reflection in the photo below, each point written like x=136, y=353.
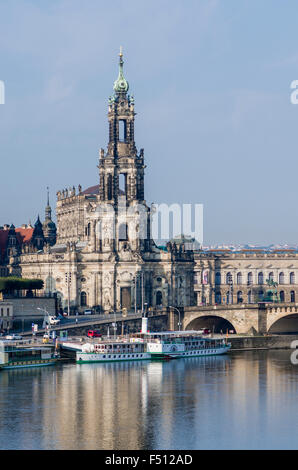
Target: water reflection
x=242, y=400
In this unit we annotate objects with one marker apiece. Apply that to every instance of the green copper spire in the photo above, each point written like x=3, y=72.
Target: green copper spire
x=121, y=85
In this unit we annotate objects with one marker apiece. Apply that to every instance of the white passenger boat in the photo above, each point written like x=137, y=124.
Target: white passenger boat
x=109, y=351
x=184, y=344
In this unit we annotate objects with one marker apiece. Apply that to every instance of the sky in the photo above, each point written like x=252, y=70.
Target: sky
x=211, y=81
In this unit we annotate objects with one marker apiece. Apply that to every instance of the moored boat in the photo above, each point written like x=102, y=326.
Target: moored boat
x=184, y=344
x=110, y=351
x=20, y=354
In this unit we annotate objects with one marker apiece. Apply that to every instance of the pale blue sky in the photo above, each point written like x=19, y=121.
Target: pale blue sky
x=211, y=81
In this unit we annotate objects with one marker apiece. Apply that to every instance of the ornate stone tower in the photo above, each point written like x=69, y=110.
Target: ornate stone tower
x=121, y=168
x=121, y=171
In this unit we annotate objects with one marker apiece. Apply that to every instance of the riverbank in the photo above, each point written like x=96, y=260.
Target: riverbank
x=246, y=343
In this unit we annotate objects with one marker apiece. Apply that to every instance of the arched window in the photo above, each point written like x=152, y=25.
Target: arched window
x=158, y=298
x=282, y=296
x=229, y=278
x=239, y=297
x=123, y=232
x=271, y=276
x=292, y=278
x=83, y=299
x=260, y=278
x=292, y=296
x=218, y=278
x=249, y=279
x=261, y=295
x=217, y=297
x=281, y=278
x=249, y=297
x=239, y=278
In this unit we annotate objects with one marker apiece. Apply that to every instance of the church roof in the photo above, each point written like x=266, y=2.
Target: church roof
x=95, y=190
x=92, y=190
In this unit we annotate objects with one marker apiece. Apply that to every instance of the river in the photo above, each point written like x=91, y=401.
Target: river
x=244, y=400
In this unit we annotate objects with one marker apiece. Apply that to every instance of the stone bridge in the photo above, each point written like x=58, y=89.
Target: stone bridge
x=262, y=317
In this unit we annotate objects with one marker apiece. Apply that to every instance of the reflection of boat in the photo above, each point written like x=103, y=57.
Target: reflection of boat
x=17, y=354
x=160, y=345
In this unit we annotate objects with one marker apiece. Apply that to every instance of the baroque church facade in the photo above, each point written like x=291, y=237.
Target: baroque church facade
x=103, y=255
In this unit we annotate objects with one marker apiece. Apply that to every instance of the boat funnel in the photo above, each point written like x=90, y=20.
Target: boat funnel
x=144, y=325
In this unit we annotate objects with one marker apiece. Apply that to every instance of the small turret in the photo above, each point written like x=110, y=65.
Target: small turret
x=49, y=227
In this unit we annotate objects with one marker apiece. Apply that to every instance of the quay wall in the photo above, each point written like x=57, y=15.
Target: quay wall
x=262, y=342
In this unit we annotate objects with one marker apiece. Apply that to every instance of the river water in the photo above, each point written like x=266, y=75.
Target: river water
x=244, y=400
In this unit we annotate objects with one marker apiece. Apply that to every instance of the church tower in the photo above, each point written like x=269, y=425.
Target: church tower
x=121, y=171
x=121, y=168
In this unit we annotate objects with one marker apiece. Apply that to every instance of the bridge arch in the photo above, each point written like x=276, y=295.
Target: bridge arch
x=215, y=323
x=284, y=324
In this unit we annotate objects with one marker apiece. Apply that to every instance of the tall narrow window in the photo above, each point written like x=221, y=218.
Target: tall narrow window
x=123, y=232
x=271, y=276
x=292, y=296
x=239, y=278
x=292, y=278
x=282, y=296
x=260, y=278
x=158, y=298
x=123, y=183
x=122, y=130
x=217, y=278
x=217, y=297
x=83, y=299
x=110, y=187
x=249, y=279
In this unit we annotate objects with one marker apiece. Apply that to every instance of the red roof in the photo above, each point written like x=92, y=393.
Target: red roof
x=24, y=235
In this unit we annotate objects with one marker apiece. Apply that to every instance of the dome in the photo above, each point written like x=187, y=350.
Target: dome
x=121, y=84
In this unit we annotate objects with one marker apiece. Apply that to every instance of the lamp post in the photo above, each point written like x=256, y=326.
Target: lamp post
x=68, y=283
x=179, y=322
x=115, y=323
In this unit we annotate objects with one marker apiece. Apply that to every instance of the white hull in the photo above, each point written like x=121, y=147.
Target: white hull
x=194, y=353
x=82, y=357
x=98, y=357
